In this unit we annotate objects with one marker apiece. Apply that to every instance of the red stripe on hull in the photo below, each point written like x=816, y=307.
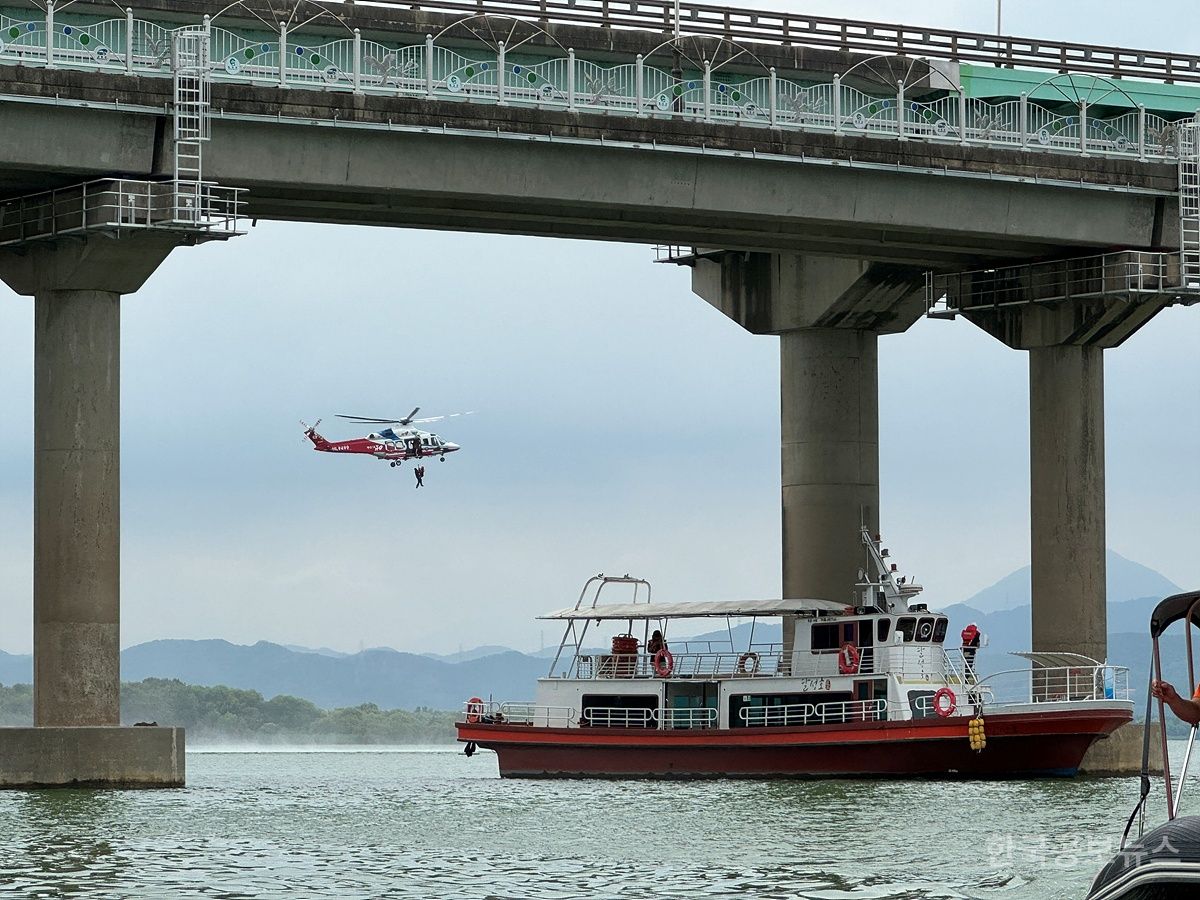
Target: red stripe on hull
x=1022, y=745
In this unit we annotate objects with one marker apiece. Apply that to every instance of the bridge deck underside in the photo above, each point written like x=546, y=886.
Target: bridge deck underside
x=330, y=157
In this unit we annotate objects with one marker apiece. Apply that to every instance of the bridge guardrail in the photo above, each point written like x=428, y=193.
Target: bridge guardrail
x=640, y=89
x=845, y=35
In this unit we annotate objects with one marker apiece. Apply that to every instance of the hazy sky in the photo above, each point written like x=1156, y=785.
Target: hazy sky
x=624, y=425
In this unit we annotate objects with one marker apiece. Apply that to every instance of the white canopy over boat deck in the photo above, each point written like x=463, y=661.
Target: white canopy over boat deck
x=693, y=610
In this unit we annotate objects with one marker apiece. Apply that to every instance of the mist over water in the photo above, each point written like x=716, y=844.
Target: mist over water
x=431, y=823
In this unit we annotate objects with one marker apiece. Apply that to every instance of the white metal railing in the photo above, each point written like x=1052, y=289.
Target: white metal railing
x=687, y=717
x=721, y=664
x=1063, y=684
x=485, y=74
x=815, y=714
x=519, y=712
x=619, y=717
x=1126, y=273
x=118, y=203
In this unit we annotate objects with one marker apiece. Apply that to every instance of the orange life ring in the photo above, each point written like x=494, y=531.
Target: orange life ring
x=664, y=663
x=848, y=659
x=944, y=694
x=474, y=710
x=747, y=663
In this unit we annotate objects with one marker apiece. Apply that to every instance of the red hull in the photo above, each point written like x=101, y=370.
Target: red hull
x=1018, y=745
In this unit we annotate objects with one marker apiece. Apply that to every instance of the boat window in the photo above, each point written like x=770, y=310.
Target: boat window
x=907, y=627
x=825, y=637
x=849, y=633
x=939, y=630
x=885, y=628
x=925, y=629
x=866, y=634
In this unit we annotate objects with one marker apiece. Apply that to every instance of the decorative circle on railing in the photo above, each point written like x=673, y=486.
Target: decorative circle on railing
x=663, y=102
x=941, y=127
x=547, y=91
x=454, y=83
x=101, y=54
x=516, y=69
x=331, y=74
x=1043, y=136
x=233, y=65
x=68, y=30
x=860, y=121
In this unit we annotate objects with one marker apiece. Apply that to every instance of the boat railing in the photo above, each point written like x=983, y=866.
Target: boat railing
x=620, y=717
x=939, y=665
x=720, y=664
x=519, y=712
x=1058, y=684
x=815, y=713
x=688, y=717
x=535, y=714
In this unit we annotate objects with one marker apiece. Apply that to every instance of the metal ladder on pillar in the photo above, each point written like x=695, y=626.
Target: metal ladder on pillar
x=193, y=84
x=1189, y=204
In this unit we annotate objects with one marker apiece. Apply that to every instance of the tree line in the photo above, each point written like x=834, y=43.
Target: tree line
x=223, y=714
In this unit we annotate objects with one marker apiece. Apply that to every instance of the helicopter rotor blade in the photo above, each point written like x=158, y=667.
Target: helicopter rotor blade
x=407, y=420
x=440, y=418
x=370, y=419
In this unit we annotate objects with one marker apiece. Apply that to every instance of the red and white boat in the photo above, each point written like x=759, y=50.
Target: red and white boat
x=867, y=690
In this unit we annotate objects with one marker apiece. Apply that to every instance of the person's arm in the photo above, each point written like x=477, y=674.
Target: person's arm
x=1188, y=710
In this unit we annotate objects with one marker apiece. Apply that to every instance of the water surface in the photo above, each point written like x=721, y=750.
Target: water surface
x=431, y=823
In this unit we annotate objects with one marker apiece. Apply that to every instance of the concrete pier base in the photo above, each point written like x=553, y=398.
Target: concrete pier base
x=91, y=757
x=1120, y=753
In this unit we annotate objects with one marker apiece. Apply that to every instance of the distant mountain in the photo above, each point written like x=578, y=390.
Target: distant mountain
x=468, y=655
x=320, y=651
x=15, y=668
x=1125, y=580
x=391, y=679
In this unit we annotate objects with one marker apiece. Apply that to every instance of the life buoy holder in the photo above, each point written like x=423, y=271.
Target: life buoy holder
x=474, y=710
x=848, y=659
x=664, y=663
x=944, y=711
x=747, y=663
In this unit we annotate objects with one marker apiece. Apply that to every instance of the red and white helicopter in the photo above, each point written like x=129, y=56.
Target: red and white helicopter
x=396, y=443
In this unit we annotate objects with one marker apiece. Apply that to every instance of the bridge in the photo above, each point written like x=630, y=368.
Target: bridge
x=823, y=180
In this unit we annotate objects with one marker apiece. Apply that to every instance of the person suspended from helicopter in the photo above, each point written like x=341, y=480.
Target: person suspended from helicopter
x=419, y=471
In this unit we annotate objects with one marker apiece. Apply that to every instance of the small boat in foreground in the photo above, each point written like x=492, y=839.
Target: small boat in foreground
x=850, y=691
x=1162, y=864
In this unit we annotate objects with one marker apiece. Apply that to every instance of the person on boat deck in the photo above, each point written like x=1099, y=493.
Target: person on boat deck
x=970, y=646
x=655, y=643
x=1188, y=710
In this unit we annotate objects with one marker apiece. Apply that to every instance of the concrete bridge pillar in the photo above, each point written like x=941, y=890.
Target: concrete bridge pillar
x=1066, y=460
x=829, y=409
x=1066, y=342
x=76, y=287
x=828, y=313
